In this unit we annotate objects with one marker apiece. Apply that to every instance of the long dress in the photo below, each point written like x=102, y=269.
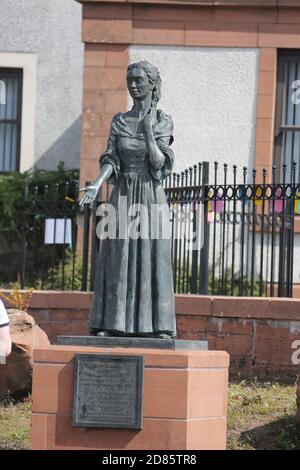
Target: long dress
x=133, y=292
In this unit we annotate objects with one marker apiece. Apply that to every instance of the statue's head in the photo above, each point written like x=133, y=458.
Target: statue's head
x=144, y=78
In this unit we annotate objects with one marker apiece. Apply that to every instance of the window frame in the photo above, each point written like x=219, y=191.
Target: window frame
x=283, y=56
x=15, y=72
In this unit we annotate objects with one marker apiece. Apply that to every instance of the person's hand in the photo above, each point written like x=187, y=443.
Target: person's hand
x=149, y=120
x=91, y=193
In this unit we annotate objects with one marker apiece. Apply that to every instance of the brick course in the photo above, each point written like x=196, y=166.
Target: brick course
x=257, y=332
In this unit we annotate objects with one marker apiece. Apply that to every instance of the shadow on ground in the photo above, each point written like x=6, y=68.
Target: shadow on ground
x=280, y=434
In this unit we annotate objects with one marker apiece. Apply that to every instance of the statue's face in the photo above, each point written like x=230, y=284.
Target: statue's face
x=138, y=84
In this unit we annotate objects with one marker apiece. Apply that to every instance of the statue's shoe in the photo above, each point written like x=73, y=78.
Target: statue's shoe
x=163, y=336
x=103, y=333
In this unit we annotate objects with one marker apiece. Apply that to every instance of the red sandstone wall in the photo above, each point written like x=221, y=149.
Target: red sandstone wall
x=257, y=332
x=109, y=27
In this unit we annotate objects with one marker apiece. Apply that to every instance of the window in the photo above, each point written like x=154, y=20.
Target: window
x=10, y=118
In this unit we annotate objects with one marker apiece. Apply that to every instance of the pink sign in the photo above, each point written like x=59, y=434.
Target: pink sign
x=279, y=203
x=217, y=206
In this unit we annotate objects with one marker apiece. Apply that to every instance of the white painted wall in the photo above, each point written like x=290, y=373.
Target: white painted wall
x=49, y=31
x=211, y=95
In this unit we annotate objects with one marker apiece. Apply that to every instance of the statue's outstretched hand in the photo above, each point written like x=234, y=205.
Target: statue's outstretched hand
x=92, y=190
x=91, y=193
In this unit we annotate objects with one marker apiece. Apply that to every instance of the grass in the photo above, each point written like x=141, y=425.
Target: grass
x=260, y=416
x=15, y=424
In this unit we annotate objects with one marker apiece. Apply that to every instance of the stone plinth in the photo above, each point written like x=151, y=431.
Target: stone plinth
x=185, y=401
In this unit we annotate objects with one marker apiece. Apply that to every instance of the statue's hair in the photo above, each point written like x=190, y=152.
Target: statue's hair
x=153, y=76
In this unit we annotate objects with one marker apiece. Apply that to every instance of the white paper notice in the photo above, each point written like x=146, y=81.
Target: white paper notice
x=58, y=231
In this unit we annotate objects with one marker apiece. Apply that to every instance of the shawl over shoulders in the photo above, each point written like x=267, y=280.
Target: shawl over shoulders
x=163, y=134
x=163, y=127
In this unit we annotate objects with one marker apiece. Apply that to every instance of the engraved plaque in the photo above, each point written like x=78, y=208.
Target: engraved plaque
x=108, y=391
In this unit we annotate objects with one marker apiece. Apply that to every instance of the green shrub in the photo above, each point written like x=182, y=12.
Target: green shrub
x=12, y=189
x=60, y=183
x=66, y=274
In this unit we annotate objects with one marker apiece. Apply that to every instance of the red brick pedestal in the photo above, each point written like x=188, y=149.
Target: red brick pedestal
x=185, y=401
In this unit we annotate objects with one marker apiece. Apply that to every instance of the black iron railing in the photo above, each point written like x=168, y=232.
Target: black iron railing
x=49, y=237
x=232, y=233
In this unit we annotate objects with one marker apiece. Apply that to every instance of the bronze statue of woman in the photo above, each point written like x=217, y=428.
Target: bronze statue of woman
x=134, y=282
